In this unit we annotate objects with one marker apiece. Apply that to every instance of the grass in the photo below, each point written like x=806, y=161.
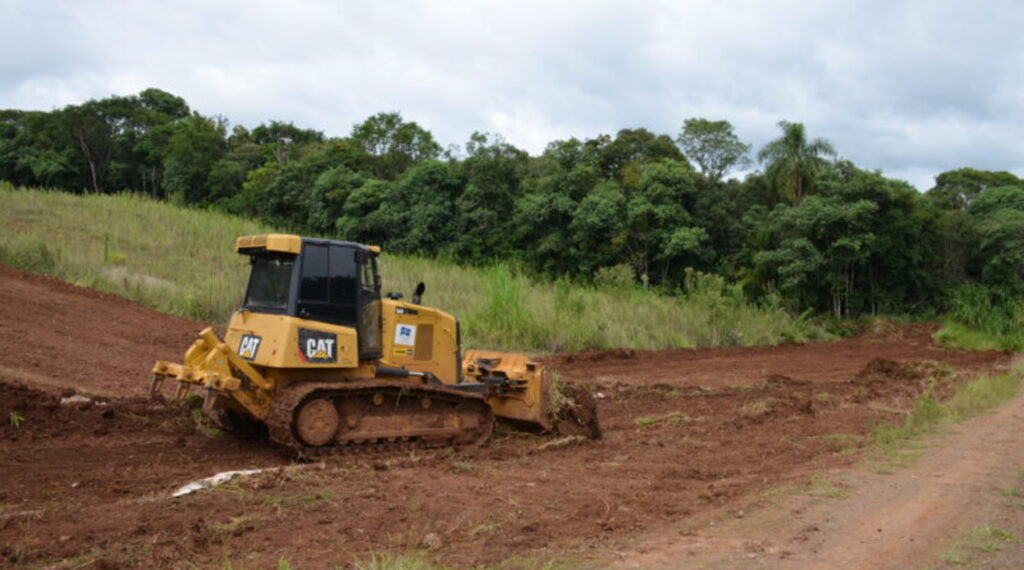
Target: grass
x=818, y=487
x=963, y=337
x=1016, y=491
x=297, y=500
x=204, y=425
x=980, y=539
x=177, y=261
x=972, y=399
x=182, y=261
x=843, y=443
x=399, y=561
x=761, y=407
x=983, y=319
x=674, y=418
x=465, y=466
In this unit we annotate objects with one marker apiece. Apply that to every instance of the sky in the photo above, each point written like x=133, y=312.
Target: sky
x=911, y=88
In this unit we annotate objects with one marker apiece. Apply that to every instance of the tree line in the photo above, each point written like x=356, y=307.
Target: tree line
x=643, y=207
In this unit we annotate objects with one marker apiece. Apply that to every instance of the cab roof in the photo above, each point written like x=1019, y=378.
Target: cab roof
x=289, y=243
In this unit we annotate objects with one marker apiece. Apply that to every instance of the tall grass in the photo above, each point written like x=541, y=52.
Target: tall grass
x=178, y=261
x=972, y=399
x=980, y=320
x=182, y=261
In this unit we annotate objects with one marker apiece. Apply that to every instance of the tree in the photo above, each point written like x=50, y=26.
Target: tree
x=957, y=189
x=861, y=244
x=793, y=161
x=36, y=150
x=94, y=137
x=543, y=213
x=410, y=215
x=282, y=138
x=621, y=158
x=393, y=145
x=660, y=232
x=713, y=146
x=597, y=228
x=492, y=173
x=997, y=236
x=196, y=144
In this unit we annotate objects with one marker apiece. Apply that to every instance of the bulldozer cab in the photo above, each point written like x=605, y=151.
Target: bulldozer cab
x=319, y=280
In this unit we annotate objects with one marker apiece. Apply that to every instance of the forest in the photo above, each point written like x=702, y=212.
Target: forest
x=637, y=207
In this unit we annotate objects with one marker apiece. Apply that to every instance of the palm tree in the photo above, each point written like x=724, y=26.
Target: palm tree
x=793, y=162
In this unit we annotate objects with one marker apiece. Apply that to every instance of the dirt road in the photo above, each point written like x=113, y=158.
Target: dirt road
x=876, y=515
x=691, y=439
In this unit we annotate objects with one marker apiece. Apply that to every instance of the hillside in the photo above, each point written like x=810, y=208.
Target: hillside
x=181, y=261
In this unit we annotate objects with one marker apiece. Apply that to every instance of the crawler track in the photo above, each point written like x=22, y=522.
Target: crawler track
x=382, y=417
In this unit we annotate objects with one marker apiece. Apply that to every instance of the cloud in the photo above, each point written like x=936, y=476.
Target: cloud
x=912, y=88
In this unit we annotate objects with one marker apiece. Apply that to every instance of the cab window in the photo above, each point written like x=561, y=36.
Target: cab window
x=270, y=281
x=327, y=290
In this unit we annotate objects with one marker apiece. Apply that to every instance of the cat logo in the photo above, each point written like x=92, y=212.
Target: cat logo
x=317, y=347
x=249, y=346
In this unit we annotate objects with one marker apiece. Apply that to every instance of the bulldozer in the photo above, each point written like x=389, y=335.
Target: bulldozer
x=317, y=357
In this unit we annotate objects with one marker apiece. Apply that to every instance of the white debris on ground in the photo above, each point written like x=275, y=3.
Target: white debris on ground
x=226, y=476
x=212, y=481
x=76, y=399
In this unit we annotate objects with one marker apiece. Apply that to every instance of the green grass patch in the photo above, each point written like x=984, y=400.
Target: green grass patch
x=974, y=398
x=761, y=407
x=182, y=261
x=296, y=500
x=534, y=563
x=176, y=260
x=819, y=487
x=980, y=539
x=983, y=319
x=1016, y=491
x=958, y=336
x=397, y=561
x=673, y=418
x=465, y=466
x=843, y=443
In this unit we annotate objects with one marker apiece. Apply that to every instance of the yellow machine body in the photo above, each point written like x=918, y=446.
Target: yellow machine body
x=265, y=358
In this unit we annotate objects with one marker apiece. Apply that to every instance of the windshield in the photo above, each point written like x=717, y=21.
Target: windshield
x=270, y=281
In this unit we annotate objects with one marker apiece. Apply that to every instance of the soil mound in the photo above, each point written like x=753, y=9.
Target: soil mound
x=579, y=417
x=884, y=330
x=886, y=370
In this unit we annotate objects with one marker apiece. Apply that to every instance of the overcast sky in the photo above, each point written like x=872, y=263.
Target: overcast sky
x=911, y=88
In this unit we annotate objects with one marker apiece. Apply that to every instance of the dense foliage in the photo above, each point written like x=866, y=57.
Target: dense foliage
x=816, y=230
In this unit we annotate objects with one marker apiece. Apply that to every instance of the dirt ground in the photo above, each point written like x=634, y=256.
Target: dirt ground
x=709, y=457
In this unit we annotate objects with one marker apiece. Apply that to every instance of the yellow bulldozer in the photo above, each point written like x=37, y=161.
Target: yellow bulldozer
x=323, y=361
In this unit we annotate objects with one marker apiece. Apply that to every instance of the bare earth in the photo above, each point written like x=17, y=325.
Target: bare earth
x=711, y=458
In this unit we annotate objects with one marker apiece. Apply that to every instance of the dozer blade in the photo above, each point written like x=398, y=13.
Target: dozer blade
x=521, y=390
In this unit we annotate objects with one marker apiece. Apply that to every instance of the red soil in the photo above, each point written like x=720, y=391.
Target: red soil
x=688, y=435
